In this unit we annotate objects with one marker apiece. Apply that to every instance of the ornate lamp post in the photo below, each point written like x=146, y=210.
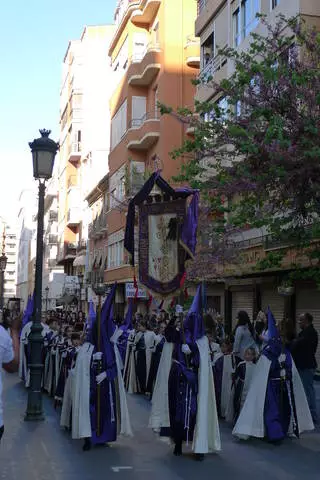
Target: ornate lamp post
x=3, y=266
x=43, y=154
x=47, y=294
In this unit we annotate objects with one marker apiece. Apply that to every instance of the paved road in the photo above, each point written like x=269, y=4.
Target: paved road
x=44, y=452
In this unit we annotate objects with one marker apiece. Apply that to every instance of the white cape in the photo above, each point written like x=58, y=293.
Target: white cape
x=160, y=400
x=207, y=433
x=125, y=425
x=226, y=384
x=24, y=372
x=251, y=419
x=81, y=422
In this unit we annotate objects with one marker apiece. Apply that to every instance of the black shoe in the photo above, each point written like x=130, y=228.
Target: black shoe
x=199, y=457
x=87, y=445
x=177, y=450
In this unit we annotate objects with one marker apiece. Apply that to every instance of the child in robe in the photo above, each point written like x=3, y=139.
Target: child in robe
x=223, y=370
x=242, y=381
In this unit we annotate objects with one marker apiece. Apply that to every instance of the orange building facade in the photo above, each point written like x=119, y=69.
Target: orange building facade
x=154, y=57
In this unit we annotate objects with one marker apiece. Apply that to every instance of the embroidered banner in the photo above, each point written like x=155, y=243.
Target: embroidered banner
x=161, y=256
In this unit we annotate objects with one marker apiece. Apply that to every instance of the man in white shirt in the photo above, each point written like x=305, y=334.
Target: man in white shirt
x=9, y=358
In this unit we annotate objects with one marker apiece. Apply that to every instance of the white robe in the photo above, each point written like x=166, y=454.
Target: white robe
x=251, y=419
x=226, y=384
x=81, y=421
x=160, y=399
x=207, y=434
x=24, y=372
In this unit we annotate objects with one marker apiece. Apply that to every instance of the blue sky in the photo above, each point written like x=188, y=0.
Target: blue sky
x=34, y=36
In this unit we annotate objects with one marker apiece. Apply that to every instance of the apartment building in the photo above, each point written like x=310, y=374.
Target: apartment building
x=52, y=274
x=25, y=228
x=230, y=22
x=84, y=139
x=8, y=232
x=154, y=57
x=97, y=243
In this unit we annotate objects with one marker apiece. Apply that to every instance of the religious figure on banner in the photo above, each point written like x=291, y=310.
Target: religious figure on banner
x=163, y=252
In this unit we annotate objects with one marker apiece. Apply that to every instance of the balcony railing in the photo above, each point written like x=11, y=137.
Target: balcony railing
x=137, y=122
x=53, y=239
x=138, y=57
x=52, y=262
x=82, y=245
x=53, y=216
x=74, y=148
x=212, y=67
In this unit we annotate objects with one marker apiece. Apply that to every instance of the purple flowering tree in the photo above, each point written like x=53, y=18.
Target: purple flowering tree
x=255, y=154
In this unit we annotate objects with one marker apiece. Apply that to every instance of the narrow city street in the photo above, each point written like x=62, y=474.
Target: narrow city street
x=32, y=451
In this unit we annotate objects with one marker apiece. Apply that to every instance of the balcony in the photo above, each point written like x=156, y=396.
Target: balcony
x=53, y=216
x=74, y=152
x=123, y=13
x=145, y=66
x=213, y=66
x=53, y=239
x=73, y=217
x=52, y=263
x=143, y=132
x=192, y=49
x=82, y=246
x=145, y=15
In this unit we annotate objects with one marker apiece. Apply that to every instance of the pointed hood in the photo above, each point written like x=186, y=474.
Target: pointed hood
x=127, y=323
x=28, y=311
x=193, y=323
x=274, y=345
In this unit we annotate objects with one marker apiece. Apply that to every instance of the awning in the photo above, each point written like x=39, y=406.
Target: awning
x=79, y=261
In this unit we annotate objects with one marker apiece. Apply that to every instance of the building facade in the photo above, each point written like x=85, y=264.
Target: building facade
x=9, y=247
x=154, y=57
x=229, y=23
x=84, y=140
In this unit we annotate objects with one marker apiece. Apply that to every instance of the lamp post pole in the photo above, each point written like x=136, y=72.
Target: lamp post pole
x=3, y=266
x=43, y=152
x=47, y=294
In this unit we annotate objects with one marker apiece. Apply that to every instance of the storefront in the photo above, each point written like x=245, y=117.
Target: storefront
x=308, y=300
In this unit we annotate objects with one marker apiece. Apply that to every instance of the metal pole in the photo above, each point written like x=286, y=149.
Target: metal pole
x=34, y=408
x=46, y=301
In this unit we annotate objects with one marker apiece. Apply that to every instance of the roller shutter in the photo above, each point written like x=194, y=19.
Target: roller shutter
x=241, y=300
x=308, y=300
x=271, y=298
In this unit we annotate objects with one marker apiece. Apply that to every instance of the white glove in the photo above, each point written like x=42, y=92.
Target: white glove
x=64, y=354
x=185, y=349
x=97, y=356
x=102, y=376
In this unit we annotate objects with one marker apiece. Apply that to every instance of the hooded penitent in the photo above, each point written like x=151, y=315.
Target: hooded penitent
x=276, y=403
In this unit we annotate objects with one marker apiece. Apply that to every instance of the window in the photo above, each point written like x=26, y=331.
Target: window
x=207, y=50
x=274, y=3
x=139, y=107
x=116, y=254
x=120, y=63
x=119, y=125
x=139, y=46
x=113, y=202
x=244, y=20
x=121, y=189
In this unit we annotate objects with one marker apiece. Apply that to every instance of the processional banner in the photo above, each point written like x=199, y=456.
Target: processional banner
x=167, y=234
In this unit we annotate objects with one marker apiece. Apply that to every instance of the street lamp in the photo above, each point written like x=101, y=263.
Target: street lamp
x=43, y=154
x=3, y=266
x=47, y=294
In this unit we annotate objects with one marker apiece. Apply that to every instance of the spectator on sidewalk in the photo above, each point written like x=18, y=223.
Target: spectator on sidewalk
x=9, y=357
x=303, y=352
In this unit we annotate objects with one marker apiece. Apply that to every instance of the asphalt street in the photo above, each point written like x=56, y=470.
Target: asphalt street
x=42, y=451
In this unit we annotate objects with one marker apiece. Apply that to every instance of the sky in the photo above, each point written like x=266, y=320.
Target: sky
x=34, y=37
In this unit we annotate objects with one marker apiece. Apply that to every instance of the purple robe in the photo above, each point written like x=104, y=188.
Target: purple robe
x=182, y=387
